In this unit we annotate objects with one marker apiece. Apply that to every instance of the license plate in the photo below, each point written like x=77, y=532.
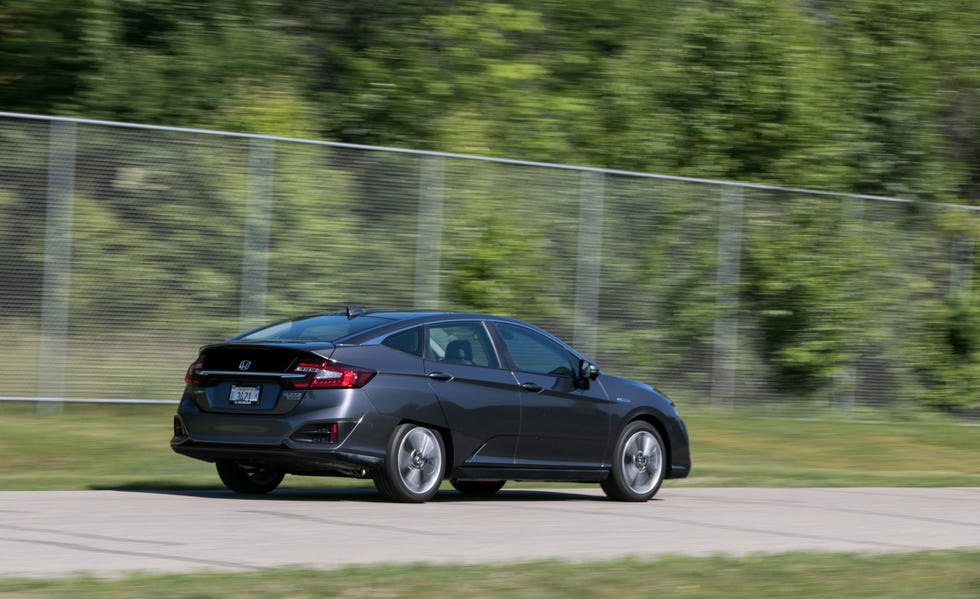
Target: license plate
x=244, y=396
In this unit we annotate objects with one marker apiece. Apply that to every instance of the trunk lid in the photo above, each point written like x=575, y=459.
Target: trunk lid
x=252, y=377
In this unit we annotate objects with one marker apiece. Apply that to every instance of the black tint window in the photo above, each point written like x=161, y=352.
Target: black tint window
x=461, y=343
x=409, y=341
x=533, y=352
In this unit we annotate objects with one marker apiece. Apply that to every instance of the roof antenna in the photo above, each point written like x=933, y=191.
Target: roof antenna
x=354, y=311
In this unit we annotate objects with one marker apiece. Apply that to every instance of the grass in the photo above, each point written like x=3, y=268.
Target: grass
x=126, y=447
x=735, y=450
x=938, y=575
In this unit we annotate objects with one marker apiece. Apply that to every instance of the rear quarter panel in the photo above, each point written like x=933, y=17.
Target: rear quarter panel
x=400, y=389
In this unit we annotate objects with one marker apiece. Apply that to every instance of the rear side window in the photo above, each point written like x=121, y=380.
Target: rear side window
x=464, y=343
x=409, y=341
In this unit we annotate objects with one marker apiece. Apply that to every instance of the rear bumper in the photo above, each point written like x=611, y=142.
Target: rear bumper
x=293, y=442
x=280, y=457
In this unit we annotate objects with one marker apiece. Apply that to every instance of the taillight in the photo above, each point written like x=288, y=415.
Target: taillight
x=192, y=378
x=327, y=375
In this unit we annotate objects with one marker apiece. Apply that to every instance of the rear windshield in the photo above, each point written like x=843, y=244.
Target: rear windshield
x=327, y=327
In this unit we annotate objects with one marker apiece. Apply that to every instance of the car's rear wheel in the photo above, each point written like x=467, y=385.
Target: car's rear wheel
x=479, y=488
x=638, y=464
x=414, y=465
x=257, y=481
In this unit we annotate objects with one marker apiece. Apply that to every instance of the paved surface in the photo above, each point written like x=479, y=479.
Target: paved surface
x=112, y=532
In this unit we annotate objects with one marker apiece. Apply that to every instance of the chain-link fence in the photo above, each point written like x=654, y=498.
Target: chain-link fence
x=123, y=248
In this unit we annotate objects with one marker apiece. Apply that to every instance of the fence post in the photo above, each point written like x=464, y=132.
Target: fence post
x=53, y=346
x=428, y=246
x=728, y=276
x=587, y=272
x=961, y=267
x=255, y=250
x=844, y=380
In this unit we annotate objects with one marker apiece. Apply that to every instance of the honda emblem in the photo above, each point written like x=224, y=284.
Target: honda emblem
x=244, y=365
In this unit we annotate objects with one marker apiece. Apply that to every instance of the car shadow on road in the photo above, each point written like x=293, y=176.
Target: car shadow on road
x=360, y=494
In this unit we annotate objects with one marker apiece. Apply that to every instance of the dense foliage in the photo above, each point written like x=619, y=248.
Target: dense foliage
x=868, y=96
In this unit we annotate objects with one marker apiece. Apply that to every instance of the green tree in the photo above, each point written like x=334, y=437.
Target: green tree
x=42, y=57
x=176, y=62
x=890, y=87
x=730, y=90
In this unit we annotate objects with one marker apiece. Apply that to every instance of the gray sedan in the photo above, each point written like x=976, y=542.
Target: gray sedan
x=413, y=398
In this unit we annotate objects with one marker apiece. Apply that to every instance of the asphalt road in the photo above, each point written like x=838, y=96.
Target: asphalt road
x=107, y=533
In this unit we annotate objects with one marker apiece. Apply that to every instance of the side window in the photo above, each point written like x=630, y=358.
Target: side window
x=533, y=352
x=409, y=341
x=461, y=343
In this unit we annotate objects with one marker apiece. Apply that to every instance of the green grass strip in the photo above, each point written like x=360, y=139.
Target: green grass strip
x=938, y=575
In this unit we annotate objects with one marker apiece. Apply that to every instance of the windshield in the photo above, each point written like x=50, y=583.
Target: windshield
x=327, y=327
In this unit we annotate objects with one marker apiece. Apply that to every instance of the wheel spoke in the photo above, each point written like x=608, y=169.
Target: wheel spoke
x=404, y=456
x=425, y=474
x=648, y=445
x=425, y=445
x=411, y=442
x=632, y=474
x=413, y=478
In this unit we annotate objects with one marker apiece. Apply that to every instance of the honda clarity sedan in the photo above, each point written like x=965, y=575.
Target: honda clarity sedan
x=410, y=399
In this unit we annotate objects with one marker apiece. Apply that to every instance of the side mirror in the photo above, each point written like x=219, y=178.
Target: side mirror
x=587, y=372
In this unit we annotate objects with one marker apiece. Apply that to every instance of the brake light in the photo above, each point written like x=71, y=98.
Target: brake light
x=192, y=378
x=327, y=375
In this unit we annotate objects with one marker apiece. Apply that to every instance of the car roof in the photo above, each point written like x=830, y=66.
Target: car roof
x=419, y=315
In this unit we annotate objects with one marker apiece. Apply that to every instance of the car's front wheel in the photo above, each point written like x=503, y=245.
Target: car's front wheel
x=414, y=465
x=638, y=464
x=255, y=481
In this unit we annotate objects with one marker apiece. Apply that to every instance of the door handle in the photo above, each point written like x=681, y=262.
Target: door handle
x=532, y=387
x=440, y=376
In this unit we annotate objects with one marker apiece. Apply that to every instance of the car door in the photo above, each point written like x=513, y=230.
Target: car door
x=562, y=424
x=479, y=398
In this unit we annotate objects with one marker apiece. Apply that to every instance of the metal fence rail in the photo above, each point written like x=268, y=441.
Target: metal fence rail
x=124, y=247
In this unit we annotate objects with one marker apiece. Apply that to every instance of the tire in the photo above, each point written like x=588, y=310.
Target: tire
x=414, y=465
x=478, y=488
x=254, y=481
x=638, y=464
